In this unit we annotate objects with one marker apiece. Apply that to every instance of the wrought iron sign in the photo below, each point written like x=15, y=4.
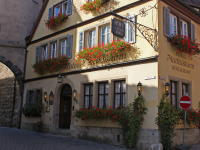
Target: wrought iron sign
x=151, y=35
x=118, y=28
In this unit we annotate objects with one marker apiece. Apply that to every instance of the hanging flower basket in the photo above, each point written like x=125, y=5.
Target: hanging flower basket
x=55, y=21
x=98, y=114
x=51, y=65
x=101, y=53
x=184, y=44
x=92, y=6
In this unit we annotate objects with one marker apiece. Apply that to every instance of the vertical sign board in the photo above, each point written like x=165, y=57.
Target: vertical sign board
x=118, y=28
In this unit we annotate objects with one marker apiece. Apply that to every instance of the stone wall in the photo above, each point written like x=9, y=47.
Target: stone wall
x=17, y=20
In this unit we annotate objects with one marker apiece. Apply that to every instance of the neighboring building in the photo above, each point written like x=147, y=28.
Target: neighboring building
x=17, y=19
x=113, y=82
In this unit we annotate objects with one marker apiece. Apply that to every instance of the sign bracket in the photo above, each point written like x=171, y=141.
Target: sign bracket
x=151, y=35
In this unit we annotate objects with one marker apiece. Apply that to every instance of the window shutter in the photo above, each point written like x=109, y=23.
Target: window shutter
x=166, y=21
x=50, y=14
x=81, y=41
x=39, y=96
x=69, y=45
x=37, y=55
x=192, y=32
x=69, y=7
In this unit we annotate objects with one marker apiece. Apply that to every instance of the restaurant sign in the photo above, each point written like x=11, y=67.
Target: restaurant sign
x=118, y=28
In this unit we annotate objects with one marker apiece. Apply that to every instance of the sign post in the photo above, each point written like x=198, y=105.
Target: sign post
x=185, y=103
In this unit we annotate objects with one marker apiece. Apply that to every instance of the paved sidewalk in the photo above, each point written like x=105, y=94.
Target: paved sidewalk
x=14, y=139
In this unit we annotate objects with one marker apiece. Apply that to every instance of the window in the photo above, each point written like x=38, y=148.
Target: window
x=34, y=97
x=105, y=34
x=66, y=46
x=64, y=7
x=53, y=49
x=44, y=52
x=57, y=10
x=119, y=93
x=90, y=37
x=184, y=28
x=174, y=93
x=103, y=95
x=185, y=89
x=130, y=30
x=173, y=25
x=88, y=94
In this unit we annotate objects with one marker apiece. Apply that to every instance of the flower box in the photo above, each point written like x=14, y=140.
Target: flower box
x=102, y=53
x=98, y=114
x=184, y=44
x=93, y=6
x=51, y=65
x=53, y=22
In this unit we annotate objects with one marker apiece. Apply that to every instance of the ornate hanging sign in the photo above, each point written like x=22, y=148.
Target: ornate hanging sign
x=118, y=28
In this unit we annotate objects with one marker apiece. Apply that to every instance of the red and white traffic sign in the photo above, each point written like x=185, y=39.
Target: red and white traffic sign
x=185, y=102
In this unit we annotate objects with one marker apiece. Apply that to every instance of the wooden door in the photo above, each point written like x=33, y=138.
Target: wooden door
x=65, y=107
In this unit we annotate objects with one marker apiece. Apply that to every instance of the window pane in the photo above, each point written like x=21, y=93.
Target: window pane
x=101, y=88
x=123, y=87
x=87, y=90
x=57, y=10
x=117, y=100
x=117, y=87
x=101, y=101
x=86, y=101
x=106, y=88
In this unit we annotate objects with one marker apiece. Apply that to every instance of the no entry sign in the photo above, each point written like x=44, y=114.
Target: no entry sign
x=185, y=102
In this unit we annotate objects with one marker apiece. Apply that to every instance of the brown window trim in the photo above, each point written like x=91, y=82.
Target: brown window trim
x=104, y=93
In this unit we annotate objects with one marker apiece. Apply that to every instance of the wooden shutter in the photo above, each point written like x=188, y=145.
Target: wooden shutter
x=50, y=13
x=192, y=32
x=69, y=45
x=166, y=21
x=81, y=41
x=69, y=7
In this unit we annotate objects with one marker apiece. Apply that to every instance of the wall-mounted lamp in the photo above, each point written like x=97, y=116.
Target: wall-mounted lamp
x=139, y=88
x=167, y=88
x=45, y=96
x=51, y=98
x=60, y=78
x=75, y=95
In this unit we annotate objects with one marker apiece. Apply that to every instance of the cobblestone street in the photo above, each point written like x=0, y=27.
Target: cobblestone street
x=14, y=139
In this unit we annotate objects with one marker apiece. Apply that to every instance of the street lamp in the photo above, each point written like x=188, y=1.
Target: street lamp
x=139, y=88
x=60, y=78
x=167, y=88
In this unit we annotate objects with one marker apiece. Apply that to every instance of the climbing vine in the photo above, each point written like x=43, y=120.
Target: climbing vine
x=131, y=120
x=168, y=117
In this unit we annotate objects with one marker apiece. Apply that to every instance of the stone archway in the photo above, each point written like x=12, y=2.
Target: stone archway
x=11, y=89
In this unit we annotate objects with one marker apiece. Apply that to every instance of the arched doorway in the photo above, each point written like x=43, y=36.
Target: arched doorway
x=10, y=93
x=65, y=107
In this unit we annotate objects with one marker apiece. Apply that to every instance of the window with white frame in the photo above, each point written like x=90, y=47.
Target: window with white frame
x=63, y=47
x=45, y=54
x=130, y=30
x=105, y=34
x=173, y=25
x=184, y=28
x=53, y=47
x=103, y=94
x=90, y=38
x=66, y=46
x=119, y=93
